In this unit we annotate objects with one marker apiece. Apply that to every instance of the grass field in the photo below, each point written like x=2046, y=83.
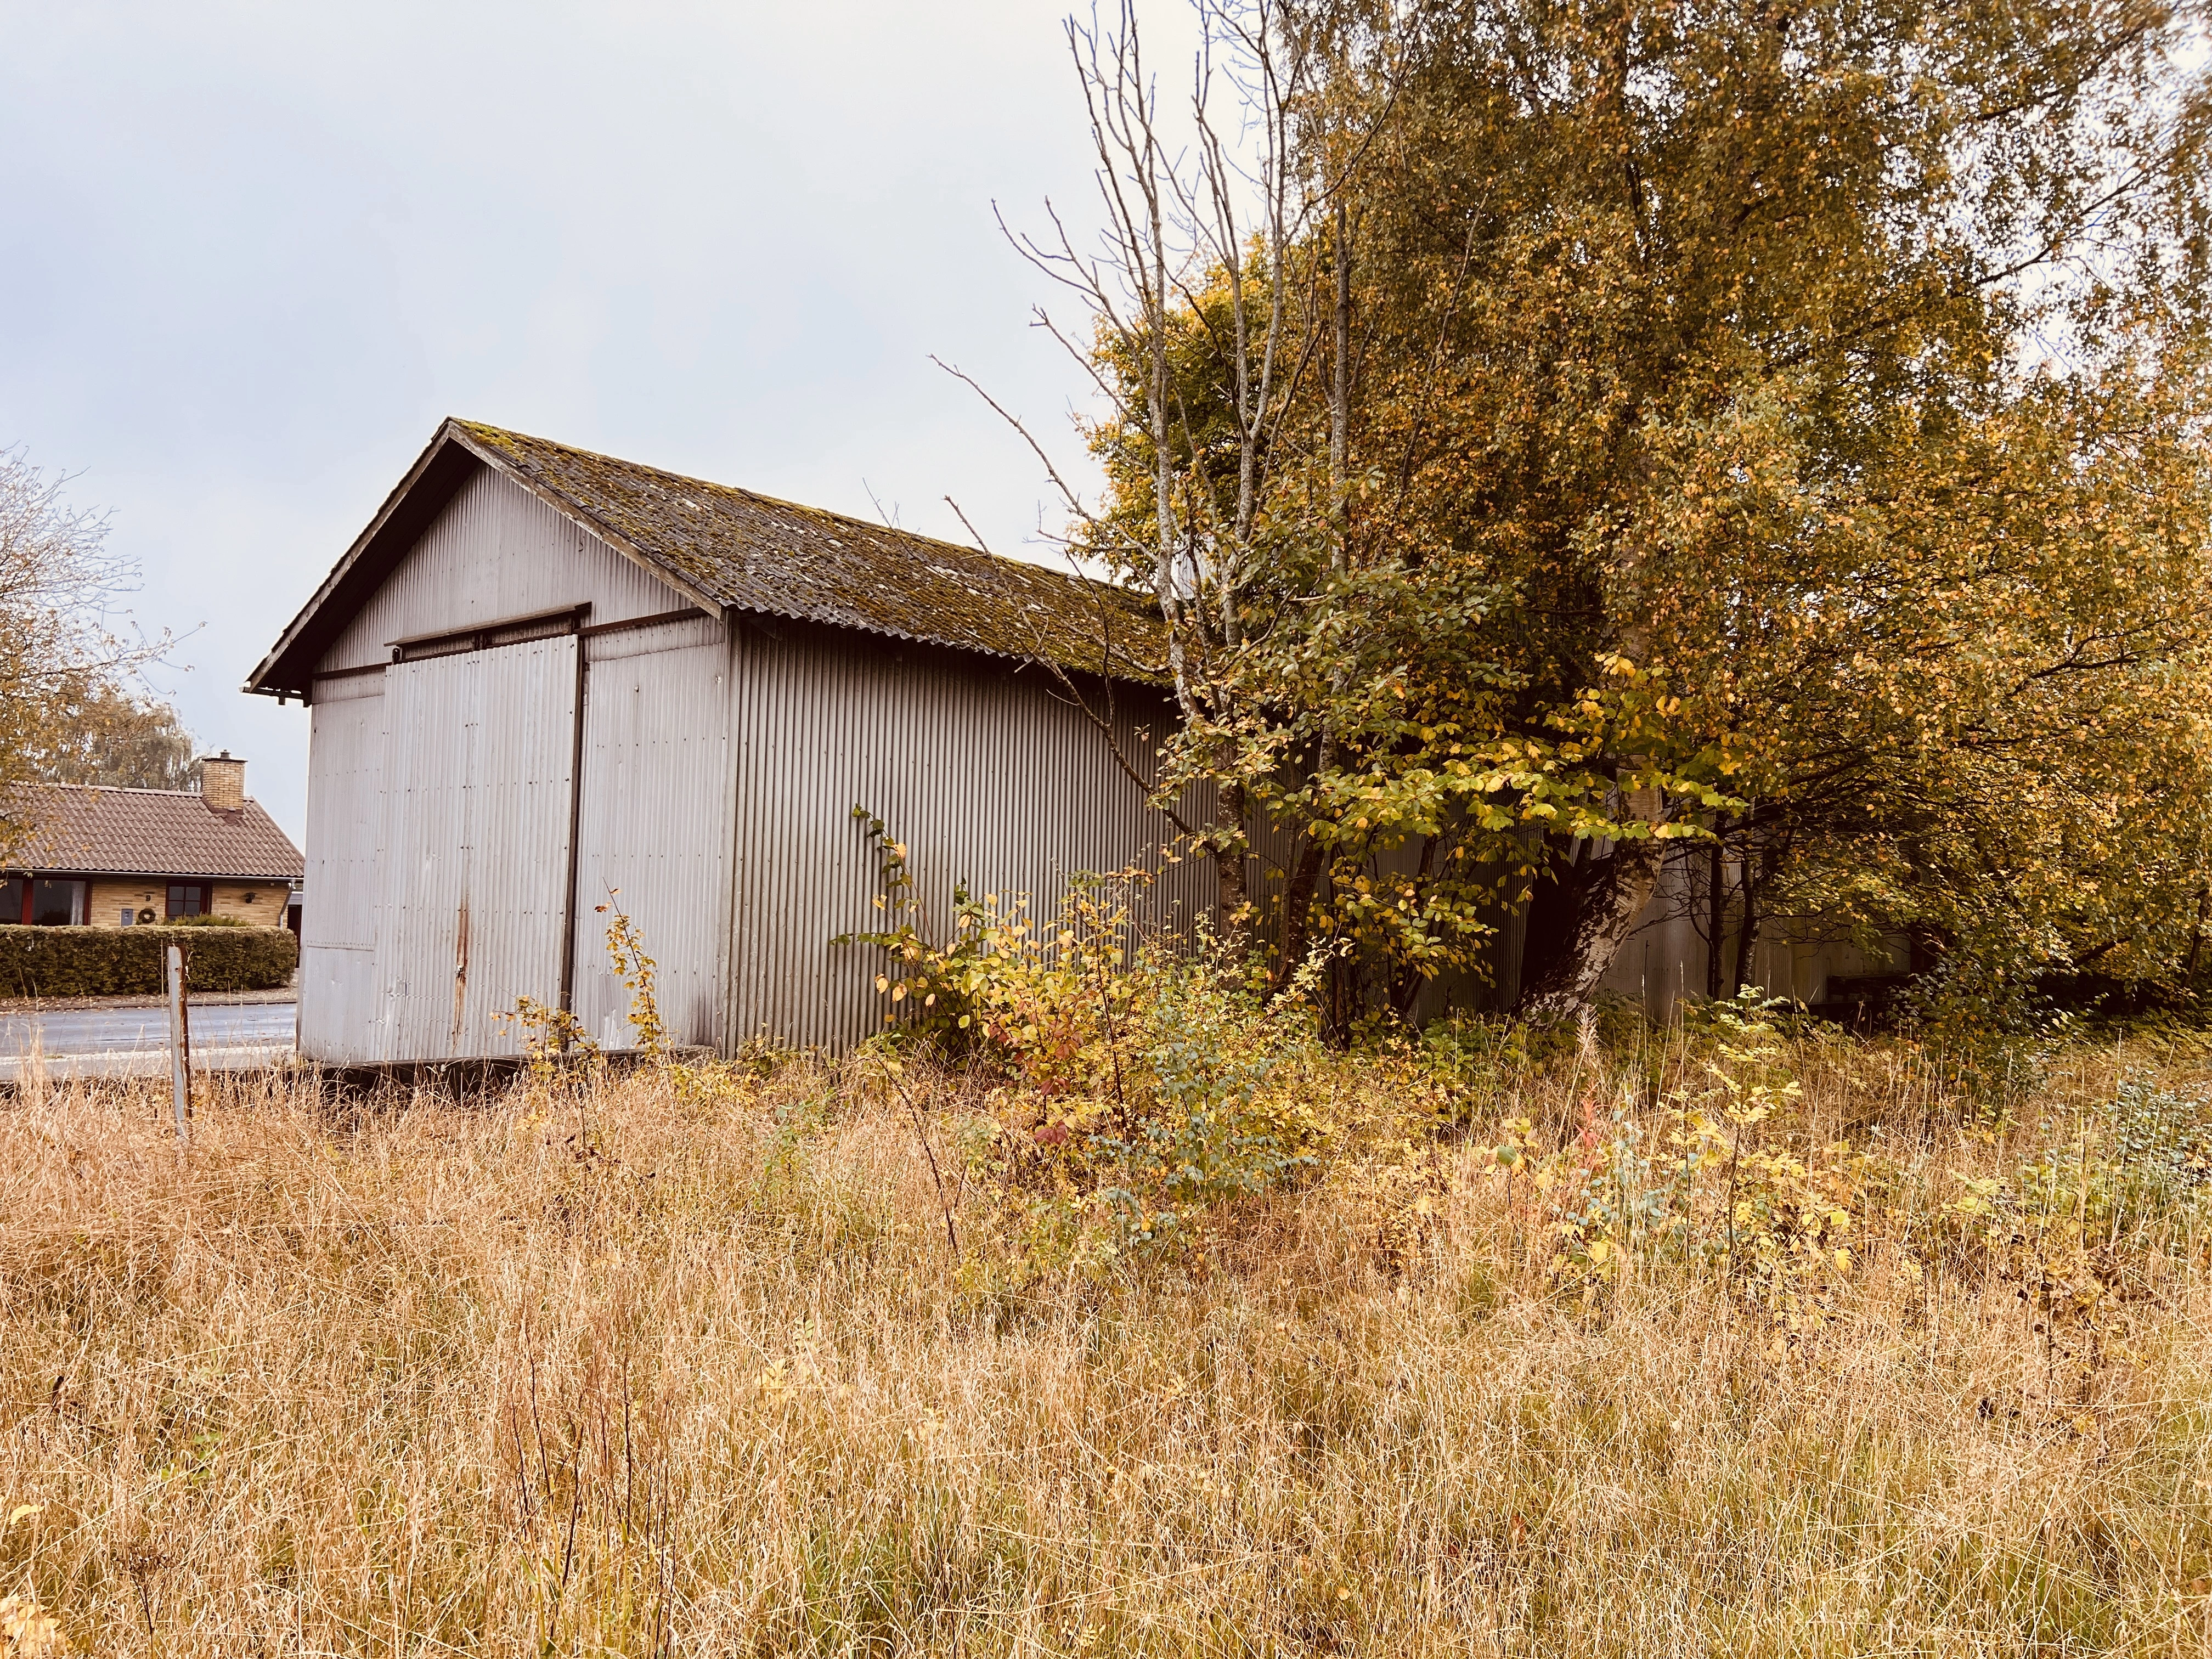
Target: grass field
x=685, y=1363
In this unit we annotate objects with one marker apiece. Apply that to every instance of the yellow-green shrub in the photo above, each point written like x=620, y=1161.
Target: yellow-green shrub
x=1129, y=1086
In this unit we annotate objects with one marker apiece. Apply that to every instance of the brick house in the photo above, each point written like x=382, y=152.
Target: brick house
x=96, y=857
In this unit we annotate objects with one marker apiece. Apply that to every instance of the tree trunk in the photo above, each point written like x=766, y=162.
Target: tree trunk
x=1229, y=855
x=1405, y=981
x=1746, y=942
x=1298, y=913
x=1757, y=875
x=1716, y=911
x=1612, y=891
x=2197, y=936
x=1305, y=874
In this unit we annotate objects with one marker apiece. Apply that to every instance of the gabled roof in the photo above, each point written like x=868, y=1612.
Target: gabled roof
x=91, y=829
x=729, y=549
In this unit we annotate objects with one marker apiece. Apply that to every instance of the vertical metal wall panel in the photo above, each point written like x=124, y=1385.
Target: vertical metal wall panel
x=428, y=727
x=522, y=805
x=654, y=823
x=994, y=780
x=478, y=777
x=338, y=997
x=496, y=551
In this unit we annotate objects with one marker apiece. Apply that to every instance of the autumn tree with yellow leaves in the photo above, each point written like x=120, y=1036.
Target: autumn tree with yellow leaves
x=1650, y=429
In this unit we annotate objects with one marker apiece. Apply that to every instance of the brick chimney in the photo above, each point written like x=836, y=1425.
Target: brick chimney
x=222, y=782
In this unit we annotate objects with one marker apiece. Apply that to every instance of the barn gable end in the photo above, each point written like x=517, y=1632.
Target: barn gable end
x=486, y=750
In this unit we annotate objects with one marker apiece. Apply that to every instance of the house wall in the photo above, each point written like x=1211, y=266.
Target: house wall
x=105, y=896
x=264, y=907
x=985, y=768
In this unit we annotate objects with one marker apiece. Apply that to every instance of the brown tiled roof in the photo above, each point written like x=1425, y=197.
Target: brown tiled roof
x=87, y=830
x=761, y=555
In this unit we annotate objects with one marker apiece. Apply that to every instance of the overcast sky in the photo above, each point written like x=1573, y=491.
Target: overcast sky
x=250, y=255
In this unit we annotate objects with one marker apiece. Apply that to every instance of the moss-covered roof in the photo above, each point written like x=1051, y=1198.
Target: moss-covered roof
x=755, y=553
x=730, y=549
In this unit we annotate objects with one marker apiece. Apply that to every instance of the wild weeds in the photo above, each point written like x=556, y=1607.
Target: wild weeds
x=1526, y=1356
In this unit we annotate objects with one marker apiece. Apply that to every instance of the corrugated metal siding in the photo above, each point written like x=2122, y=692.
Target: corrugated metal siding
x=338, y=990
x=1664, y=960
x=989, y=773
x=655, y=824
x=495, y=552
x=477, y=795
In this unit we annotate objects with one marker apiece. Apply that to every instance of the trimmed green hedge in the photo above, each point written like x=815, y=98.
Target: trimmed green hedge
x=105, y=962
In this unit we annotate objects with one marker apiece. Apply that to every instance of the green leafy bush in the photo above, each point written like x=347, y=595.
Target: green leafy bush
x=94, y=962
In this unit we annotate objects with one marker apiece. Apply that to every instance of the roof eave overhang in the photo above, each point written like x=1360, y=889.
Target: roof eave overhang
x=439, y=471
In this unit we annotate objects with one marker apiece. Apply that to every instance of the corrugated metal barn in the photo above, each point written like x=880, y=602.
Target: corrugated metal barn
x=541, y=676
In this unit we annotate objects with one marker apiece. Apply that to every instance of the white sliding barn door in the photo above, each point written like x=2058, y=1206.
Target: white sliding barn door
x=479, y=790
x=341, y=999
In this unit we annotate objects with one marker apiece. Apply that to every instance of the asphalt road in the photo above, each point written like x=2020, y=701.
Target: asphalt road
x=69, y=1031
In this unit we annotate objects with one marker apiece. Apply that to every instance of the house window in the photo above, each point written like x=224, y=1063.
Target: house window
x=187, y=899
x=57, y=903
x=15, y=901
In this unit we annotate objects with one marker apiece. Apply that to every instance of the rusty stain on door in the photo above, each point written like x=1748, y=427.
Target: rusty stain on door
x=460, y=967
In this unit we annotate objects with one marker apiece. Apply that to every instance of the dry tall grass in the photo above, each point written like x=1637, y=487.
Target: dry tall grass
x=675, y=1366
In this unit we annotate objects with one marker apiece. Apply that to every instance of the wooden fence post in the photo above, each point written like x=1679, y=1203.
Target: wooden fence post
x=180, y=1043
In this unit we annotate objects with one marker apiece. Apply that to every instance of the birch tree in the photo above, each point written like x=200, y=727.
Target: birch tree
x=1202, y=318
